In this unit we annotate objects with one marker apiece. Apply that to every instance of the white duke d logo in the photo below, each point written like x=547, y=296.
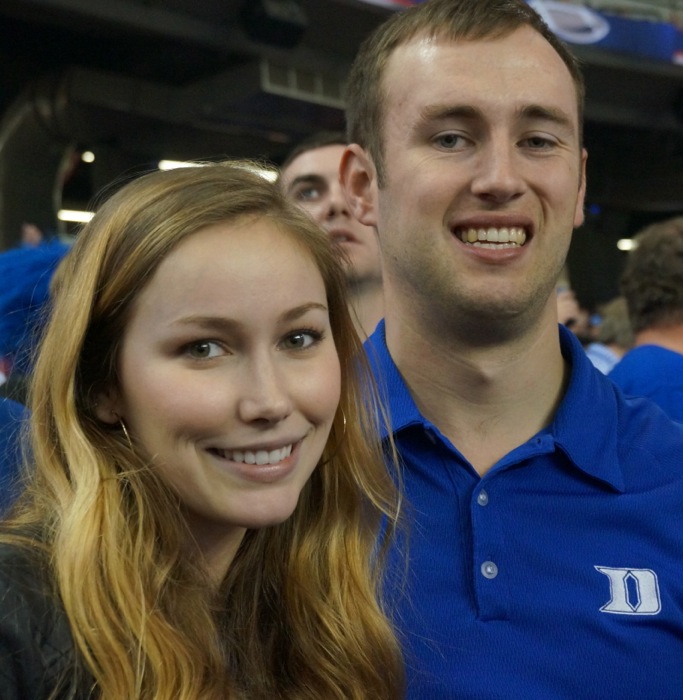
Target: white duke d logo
x=634, y=591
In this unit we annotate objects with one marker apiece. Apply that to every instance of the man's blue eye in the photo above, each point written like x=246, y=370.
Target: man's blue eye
x=539, y=142
x=308, y=193
x=449, y=140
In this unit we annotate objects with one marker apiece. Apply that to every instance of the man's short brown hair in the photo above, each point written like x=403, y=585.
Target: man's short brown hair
x=455, y=20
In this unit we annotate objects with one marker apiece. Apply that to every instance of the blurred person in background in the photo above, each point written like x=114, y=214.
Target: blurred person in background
x=26, y=275
x=572, y=315
x=310, y=178
x=652, y=283
x=13, y=418
x=612, y=333
x=31, y=235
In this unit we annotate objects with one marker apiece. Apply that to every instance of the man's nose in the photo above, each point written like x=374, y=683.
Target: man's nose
x=497, y=175
x=336, y=203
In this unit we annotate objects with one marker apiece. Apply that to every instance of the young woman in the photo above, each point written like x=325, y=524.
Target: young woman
x=207, y=490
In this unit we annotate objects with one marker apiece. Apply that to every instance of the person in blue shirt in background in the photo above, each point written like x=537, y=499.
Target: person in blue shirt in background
x=12, y=419
x=652, y=283
x=26, y=277
x=543, y=506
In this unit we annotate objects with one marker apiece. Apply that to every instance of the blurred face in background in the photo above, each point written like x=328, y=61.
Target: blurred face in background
x=311, y=180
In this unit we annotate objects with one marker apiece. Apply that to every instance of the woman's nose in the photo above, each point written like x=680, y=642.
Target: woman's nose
x=265, y=394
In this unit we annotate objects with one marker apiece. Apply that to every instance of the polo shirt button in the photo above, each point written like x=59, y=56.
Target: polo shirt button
x=489, y=569
x=483, y=498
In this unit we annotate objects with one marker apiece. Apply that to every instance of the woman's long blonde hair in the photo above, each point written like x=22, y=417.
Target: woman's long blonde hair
x=297, y=615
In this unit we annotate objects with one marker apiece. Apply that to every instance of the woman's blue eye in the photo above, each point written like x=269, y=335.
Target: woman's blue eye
x=203, y=350
x=301, y=340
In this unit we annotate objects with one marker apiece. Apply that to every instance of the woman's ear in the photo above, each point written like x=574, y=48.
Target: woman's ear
x=107, y=407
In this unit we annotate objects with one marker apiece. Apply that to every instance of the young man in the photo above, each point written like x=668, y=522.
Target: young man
x=652, y=283
x=543, y=508
x=310, y=177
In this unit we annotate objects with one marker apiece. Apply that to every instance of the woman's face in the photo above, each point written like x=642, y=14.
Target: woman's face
x=229, y=376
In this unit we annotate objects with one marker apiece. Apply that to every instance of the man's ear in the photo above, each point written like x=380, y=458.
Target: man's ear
x=107, y=406
x=358, y=178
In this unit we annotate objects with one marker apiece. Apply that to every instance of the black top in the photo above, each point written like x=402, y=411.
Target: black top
x=36, y=648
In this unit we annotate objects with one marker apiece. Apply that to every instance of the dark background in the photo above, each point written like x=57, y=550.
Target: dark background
x=135, y=81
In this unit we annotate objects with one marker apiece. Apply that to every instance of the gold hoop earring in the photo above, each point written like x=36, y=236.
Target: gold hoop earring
x=333, y=454
x=125, y=432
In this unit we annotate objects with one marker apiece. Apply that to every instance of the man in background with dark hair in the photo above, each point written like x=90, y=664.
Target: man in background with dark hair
x=652, y=283
x=310, y=178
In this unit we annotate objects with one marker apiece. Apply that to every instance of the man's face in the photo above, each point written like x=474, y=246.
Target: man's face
x=484, y=176
x=312, y=181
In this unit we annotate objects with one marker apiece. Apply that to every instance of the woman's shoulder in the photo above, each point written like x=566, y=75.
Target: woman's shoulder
x=36, y=648
x=23, y=572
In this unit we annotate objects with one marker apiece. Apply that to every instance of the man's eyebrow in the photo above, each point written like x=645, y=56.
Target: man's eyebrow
x=549, y=114
x=307, y=178
x=440, y=112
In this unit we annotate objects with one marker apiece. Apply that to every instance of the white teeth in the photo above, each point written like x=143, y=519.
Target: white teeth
x=260, y=457
x=509, y=237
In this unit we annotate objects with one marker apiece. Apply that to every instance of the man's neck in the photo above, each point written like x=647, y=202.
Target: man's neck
x=486, y=400
x=366, y=302
x=669, y=337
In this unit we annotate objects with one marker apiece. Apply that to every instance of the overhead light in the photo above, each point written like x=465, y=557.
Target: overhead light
x=269, y=174
x=173, y=164
x=88, y=157
x=626, y=244
x=74, y=215
x=82, y=217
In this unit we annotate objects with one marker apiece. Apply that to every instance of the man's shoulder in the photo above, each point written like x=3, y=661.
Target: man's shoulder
x=647, y=435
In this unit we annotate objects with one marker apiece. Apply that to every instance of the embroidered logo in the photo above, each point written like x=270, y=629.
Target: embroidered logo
x=633, y=591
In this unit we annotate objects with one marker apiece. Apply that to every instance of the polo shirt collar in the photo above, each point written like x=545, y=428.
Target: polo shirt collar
x=584, y=427
x=392, y=388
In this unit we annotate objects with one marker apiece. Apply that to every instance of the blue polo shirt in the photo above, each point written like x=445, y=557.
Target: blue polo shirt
x=655, y=372
x=559, y=574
